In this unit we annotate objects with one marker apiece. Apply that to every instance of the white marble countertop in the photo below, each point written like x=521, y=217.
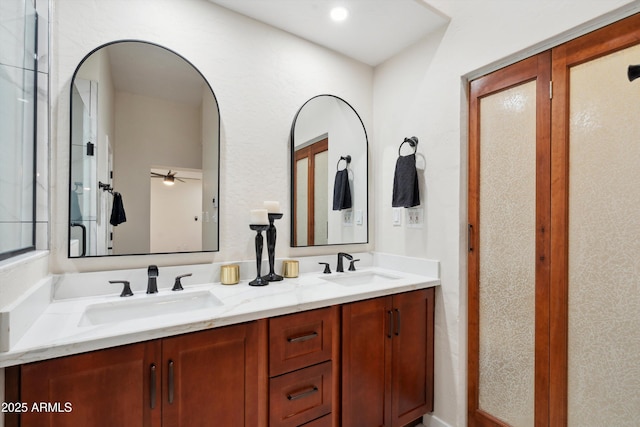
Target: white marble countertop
x=58, y=330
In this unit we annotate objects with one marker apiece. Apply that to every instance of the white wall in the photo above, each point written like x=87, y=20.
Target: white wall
x=421, y=92
x=260, y=76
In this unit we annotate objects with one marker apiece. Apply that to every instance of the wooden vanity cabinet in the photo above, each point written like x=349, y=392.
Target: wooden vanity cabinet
x=387, y=359
x=368, y=363
x=199, y=379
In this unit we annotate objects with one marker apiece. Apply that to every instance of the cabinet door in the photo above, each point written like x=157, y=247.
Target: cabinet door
x=412, y=356
x=101, y=389
x=211, y=378
x=366, y=385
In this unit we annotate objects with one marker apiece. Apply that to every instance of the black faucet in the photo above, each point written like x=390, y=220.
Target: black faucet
x=152, y=284
x=341, y=255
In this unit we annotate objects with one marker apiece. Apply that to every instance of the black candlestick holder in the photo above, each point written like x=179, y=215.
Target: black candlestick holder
x=271, y=248
x=259, y=228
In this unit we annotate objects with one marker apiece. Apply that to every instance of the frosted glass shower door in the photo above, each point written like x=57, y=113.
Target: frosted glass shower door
x=508, y=193
x=604, y=243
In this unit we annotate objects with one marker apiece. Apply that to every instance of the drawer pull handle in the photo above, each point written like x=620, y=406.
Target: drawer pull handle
x=152, y=386
x=171, y=382
x=305, y=337
x=302, y=394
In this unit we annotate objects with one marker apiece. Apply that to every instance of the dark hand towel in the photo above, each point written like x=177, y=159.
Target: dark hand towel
x=341, y=191
x=117, y=211
x=406, y=193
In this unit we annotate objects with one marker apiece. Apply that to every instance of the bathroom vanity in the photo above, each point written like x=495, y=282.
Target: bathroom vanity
x=317, y=350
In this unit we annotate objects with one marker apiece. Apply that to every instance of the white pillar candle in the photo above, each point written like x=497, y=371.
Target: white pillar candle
x=259, y=217
x=272, y=206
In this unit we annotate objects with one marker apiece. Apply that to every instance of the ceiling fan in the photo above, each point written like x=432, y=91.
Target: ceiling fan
x=169, y=178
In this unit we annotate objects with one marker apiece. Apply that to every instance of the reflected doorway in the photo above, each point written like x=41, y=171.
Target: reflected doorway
x=311, y=194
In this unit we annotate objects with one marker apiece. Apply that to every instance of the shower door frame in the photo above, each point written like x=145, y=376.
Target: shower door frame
x=552, y=234
x=538, y=69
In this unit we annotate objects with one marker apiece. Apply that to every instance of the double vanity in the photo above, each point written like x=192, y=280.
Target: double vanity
x=316, y=350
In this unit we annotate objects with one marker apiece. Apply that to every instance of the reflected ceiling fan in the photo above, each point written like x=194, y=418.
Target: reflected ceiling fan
x=169, y=178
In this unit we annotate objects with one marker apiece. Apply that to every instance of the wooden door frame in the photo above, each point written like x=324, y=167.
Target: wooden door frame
x=536, y=68
x=310, y=153
x=609, y=39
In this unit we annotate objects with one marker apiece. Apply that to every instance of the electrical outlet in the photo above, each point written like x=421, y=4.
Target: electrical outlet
x=347, y=218
x=415, y=217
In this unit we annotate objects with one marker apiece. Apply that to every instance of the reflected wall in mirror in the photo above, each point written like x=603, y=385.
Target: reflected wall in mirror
x=329, y=172
x=144, y=169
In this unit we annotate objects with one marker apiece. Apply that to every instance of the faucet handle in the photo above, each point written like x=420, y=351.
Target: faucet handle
x=152, y=271
x=352, y=267
x=327, y=269
x=177, y=286
x=126, y=290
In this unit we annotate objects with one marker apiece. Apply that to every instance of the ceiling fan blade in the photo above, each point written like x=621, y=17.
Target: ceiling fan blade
x=179, y=179
x=157, y=175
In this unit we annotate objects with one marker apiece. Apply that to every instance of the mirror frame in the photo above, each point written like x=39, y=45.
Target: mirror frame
x=292, y=142
x=70, y=178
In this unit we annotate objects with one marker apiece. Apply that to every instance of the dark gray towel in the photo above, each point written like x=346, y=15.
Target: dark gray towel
x=117, y=211
x=341, y=191
x=406, y=193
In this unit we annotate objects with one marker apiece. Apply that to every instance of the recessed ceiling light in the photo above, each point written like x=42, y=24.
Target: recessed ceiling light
x=339, y=14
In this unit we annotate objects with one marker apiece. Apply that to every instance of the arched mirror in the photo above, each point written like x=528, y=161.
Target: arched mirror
x=329, y=170
x=144, y=154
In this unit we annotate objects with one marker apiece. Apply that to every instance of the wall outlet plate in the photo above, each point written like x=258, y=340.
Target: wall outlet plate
x=347, y=218
x=415, y=217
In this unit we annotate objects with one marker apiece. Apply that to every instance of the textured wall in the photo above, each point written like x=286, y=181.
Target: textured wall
x=260, y=76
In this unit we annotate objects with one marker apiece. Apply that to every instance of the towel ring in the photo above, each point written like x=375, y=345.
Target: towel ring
x=413, y=141
x=346, y=158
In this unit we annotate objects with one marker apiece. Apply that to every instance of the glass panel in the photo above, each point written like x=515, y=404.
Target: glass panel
x=604, y=243
x=17, y=126
x=302, y=182
x=321, y=198
x=507, y=254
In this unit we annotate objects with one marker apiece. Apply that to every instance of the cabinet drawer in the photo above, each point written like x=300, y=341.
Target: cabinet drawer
x=320, y=422
x=300, y=396
x=300, y=340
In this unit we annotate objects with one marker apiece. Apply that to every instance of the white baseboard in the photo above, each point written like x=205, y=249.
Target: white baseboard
x=433, y=421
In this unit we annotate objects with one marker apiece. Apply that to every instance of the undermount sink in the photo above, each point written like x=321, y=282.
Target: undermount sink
x=147, y=306
x=361, y=278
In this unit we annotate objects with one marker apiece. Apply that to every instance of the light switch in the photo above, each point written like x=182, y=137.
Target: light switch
x=358, y=217
x=397, y=217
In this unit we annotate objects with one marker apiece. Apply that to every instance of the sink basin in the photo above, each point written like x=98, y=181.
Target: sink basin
x=147, y=306
x=362, y=278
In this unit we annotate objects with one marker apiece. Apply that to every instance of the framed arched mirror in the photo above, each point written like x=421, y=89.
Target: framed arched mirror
x=329, y=174
x=144, y=154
